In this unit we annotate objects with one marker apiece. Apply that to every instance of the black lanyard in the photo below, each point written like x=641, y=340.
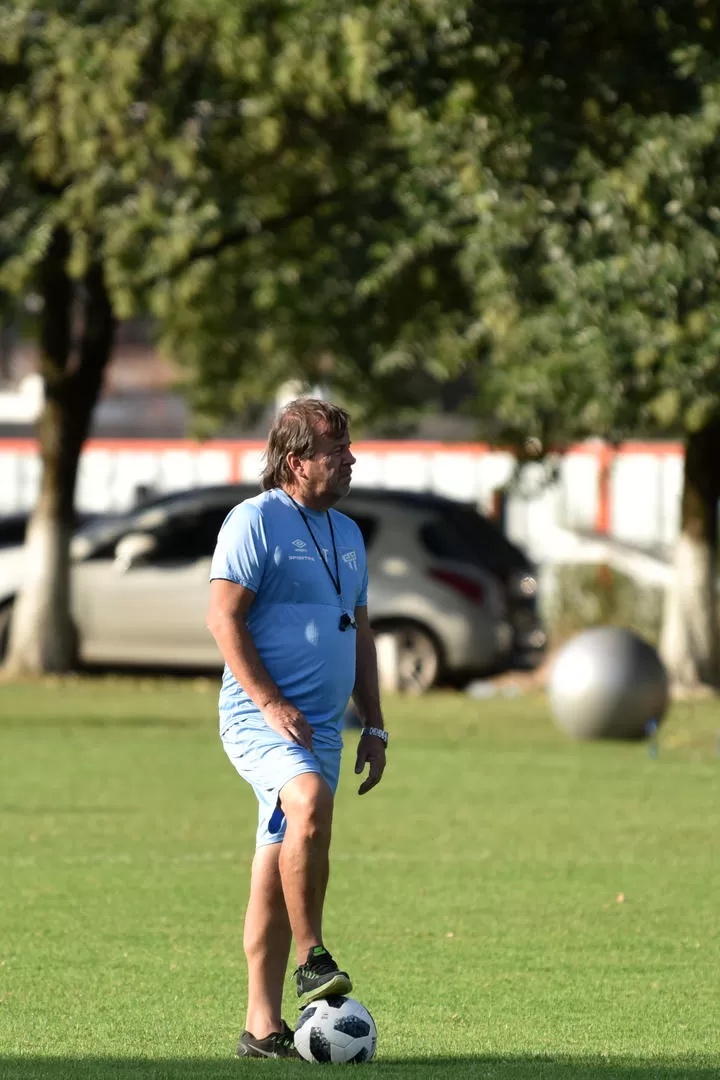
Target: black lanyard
x=335, y=578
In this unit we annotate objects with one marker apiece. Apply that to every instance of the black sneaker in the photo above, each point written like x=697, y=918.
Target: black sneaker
x=278, y=1044
x=319, y=977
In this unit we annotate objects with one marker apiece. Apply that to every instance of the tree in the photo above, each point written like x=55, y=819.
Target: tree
x=380, y=198
x=551, y=224
x=568, y=157
x=622, y=318
x=221, y=166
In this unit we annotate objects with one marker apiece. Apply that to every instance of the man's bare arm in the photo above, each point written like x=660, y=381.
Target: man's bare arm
x=366, y=692
x=366, y=696
x=226, y=621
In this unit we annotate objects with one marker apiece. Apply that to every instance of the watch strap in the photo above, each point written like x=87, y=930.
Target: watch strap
x=377, y=732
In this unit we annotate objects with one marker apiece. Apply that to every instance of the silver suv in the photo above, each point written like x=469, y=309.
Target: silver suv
x=140, y=586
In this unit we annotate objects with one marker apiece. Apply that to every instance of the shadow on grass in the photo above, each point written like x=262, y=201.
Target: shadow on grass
x=485, y=1067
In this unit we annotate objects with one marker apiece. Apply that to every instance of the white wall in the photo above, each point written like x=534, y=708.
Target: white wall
x=645, y=497
x=643, y=482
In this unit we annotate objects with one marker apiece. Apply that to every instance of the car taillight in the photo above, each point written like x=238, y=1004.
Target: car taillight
x=471, y=590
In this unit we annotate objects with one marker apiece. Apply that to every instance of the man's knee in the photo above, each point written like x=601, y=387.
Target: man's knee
x=307, y=803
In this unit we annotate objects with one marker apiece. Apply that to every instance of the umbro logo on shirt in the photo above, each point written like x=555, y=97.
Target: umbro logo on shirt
x=301, y=552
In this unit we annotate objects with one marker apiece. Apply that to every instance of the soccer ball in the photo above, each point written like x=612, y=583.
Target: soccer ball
x=336, y=1029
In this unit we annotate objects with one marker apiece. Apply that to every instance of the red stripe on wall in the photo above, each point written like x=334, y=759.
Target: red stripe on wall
x=380, y=446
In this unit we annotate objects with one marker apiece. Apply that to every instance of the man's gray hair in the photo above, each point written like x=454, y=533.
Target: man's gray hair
x=295, y=431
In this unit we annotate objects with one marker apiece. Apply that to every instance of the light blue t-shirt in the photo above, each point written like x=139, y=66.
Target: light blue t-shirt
x=265, y=545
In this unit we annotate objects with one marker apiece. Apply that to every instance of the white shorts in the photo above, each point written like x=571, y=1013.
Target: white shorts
x=268, y=762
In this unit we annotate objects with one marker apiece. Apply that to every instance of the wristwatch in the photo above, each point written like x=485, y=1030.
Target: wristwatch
x=377, y=732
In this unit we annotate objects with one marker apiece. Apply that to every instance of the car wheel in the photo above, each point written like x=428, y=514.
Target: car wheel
x=408, y=658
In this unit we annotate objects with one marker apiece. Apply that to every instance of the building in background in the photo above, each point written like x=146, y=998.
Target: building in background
x=140, y=445
x=141, y=398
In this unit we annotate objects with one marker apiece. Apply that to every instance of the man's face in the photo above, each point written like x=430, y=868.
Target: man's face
x=328, y=473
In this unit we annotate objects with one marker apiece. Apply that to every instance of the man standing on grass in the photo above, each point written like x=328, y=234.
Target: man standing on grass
x=288, y=610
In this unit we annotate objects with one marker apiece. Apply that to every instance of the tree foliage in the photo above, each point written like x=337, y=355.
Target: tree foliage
x=234, y=169
x=568, y=156
x=379, y=195
x=386, y=195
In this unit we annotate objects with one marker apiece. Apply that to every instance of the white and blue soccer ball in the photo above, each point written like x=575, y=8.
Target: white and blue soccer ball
x=337, y=1030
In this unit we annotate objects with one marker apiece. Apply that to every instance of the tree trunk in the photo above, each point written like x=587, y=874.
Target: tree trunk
x=42, y=638
x=689, y=644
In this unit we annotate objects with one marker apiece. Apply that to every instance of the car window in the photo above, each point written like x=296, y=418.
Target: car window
x=98, y=539
x=189, y=538
x=487, y=540
x=441, y=539
x=12, y=530
x=366, y=524
x=101, y=535
x=464, y=534
x=182, y=537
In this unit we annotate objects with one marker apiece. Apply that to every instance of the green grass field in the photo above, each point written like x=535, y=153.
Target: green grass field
x=510, y=904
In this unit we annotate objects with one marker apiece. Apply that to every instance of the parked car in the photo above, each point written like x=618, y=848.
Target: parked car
x=14, y=526
x=458, y=532
x=440, y=607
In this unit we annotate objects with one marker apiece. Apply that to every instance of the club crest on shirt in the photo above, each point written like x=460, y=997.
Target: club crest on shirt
x=350, y=559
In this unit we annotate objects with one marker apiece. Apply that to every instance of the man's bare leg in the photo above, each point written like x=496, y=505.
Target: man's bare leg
x=266, y=942
x=307, y=802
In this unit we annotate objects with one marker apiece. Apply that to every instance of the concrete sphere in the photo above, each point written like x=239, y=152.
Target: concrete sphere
x=607, y=683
